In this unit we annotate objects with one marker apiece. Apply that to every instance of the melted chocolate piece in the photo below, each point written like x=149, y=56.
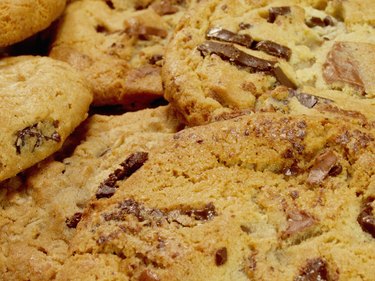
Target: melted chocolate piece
x=148, y=275
x=221, y=256
x=322, y=166
x=274, y=49
x=366, y=218
x=34, y=132
x=236, y=56
x=315, y=21
x=225, y=35
x=277, y=11
x=297, y=221
x=108, y=187
x=314, y=270
x=283, y=79
x=74, y=220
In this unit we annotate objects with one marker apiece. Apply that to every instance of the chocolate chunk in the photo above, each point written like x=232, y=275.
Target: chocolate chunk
x=244, y=26
x=283, y=79
x=335, y=170
x=323, y=164
x=143, y=31
x=148, y=275
x=110, y=4
x=297, y=221
x=277, y=11
x=366, y=218
x=205, y=214
x=305, y=99
x=235, y=56
x=108, y=187
x=101, y=29
x=155, y=58
x=164, y=7
x=74, y=220
x=221, y=256
x=274, y=49
x=293, y=170
x=314, y=270
x=34, y=132
x=315, y=21
x=225, y=35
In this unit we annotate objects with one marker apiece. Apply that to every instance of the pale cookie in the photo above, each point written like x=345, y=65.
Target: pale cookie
x=38, y=216
x=260, y=197
x=42, y=102
x=118, y=46
x=227, y=53
x=19, y=19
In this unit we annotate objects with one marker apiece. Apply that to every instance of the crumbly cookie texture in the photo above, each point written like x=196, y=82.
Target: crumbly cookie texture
x=260, y=197
x=42, y=102
x=22, y=18
x=119, y=47
x=226, y=54
x=39, y=211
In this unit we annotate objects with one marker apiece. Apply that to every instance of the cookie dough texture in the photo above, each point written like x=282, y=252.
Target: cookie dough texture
x=119, y=47
x=36, y=209
x=19, y=19
x=260, y=197
x=42, y=102
x=226, y=54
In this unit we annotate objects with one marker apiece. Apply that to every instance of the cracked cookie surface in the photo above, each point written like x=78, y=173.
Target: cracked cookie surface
x=42, y=102
x=119, y=47
x=226, y=54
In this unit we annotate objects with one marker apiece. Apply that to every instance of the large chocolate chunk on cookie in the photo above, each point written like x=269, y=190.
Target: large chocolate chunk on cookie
x=42, y=102
x=226, y=54
x=119, y=47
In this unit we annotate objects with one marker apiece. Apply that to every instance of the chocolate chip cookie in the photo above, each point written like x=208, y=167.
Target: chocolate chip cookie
x=266, y=196
x=119, y=47
x=227, y=54
x=40, y=210
x=22, y=18
x=42, y=102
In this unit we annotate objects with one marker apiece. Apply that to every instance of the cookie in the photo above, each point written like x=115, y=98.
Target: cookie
x=21, y=19
x=266, y=196
x=119, y=47
x=40, y=209
x=42, y=102
x=226, y=54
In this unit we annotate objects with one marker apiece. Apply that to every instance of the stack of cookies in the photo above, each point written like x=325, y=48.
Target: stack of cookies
x=161, y=140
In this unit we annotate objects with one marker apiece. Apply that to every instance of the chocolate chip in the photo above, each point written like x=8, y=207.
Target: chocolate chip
x=134, y=162
x=235, y=56
x=164, y=7
x=293, y=170
x=335, y=170
x=297, y=221
x=110, y=4
x=101, y=29
x=323, y=164
x=143, y=31
x=74, y=220
x=277, y=11
x=314, y=270
x=274, y=49
x=225, y=35
x=221, y=256
x=148, y=275
x=155, y=58
x=366, y=218
x=315, y=21
x=283, y=79
x=205, y=214
x=244, y=26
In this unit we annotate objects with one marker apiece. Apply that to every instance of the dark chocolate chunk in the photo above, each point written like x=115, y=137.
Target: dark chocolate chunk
x=323, y=164
x=33, y=132
x=277, y=11
x=74, y=220
x=307, y=100
x=314, y=270
x=225, y=35
x=236, y=56
x=108, y=187
x=315, y=21
x=283, y=79
x=101, y=29
x=335, y=170
x=274, y=49
x=155, y=58
x=221, y=256
x=297, y=221
x=366, y=218
x=110, y=4
x=205, y=214
x=148, y=275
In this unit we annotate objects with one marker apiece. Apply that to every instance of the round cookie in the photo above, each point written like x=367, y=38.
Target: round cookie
x=119, y=47
x=261, y=197
x=22, y=18
x=226, y=54
x=42, y=102
x=40, y=209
